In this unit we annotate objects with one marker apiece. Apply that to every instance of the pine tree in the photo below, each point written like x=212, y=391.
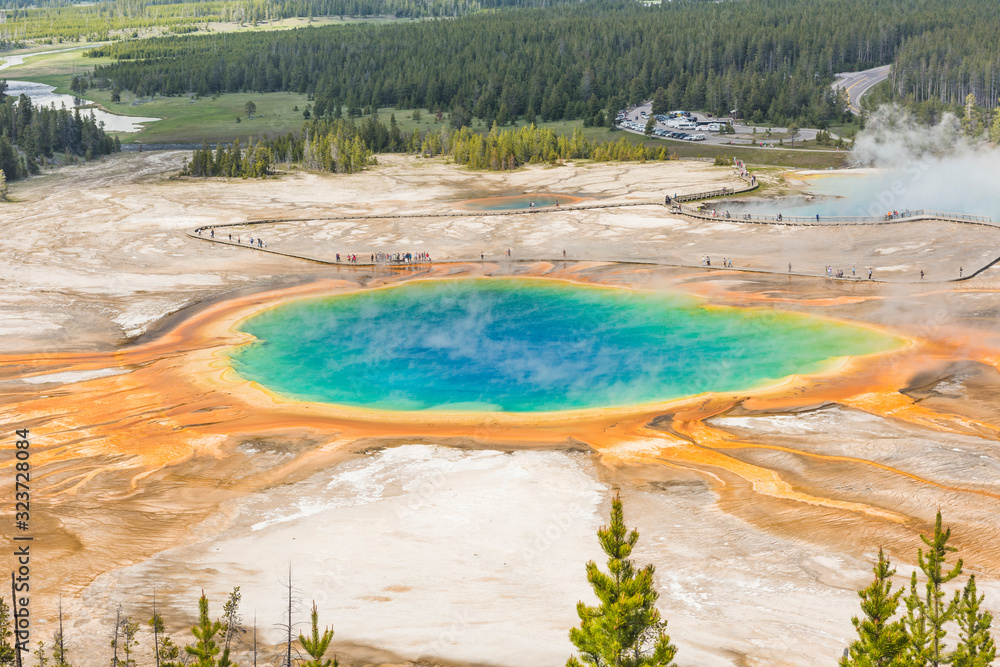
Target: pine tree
x=6, y=634
x=114, y=641
x=916, y=628
x=626, y=628
x=316, y=646
x=169, y=653
x=40, y=656
x=288, y=626
x=128, y=641
x=205, y=649
x=881, y=641
x=975, y=647
x=995, y=128
x=933, y=607
x=232, y=623
x=156, y=625
x=59, y=643
x=254, y=644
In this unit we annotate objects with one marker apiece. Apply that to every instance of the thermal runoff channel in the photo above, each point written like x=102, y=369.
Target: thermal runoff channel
x=518, y=345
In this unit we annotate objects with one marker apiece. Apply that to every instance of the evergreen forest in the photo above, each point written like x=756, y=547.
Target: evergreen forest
x=770, y=60
x=31, y=135
x=342, y=146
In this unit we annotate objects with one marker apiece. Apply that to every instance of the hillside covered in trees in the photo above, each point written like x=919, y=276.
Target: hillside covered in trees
x=952, y=60
x=773, y=60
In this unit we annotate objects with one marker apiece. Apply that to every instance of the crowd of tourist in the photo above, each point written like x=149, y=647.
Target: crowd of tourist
x=743, y=172
x=387, y=258
x=400, y=257
x=727, y=262
x=256, y=242
x=842, y=273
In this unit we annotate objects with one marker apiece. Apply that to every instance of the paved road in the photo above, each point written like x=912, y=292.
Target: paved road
x=858, y=83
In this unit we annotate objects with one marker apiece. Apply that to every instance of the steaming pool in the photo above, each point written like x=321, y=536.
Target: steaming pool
x=529, y=345
x=874, y=192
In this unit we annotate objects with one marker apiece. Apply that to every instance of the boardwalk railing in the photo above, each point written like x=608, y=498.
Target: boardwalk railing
x=819, y=220
x=708, y=195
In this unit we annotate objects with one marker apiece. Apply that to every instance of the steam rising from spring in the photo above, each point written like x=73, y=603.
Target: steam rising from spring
x=908, y=166
x=924, y=167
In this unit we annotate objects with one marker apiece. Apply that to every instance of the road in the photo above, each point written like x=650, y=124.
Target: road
x=858, y=83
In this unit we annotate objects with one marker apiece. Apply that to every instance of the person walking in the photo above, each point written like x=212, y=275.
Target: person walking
x=869, y=273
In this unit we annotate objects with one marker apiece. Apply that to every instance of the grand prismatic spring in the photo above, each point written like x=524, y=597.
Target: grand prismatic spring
x=529, y=346
x=432, y=447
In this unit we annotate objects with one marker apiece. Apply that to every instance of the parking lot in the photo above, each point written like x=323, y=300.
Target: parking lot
x=634, y=121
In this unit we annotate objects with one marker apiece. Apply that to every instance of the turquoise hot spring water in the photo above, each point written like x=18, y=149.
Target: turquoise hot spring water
x=529, y=345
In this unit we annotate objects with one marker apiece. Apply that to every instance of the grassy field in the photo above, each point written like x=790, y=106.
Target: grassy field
x=846, y=130
x=184, y=119
x=54, y=69
x=193, y=120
